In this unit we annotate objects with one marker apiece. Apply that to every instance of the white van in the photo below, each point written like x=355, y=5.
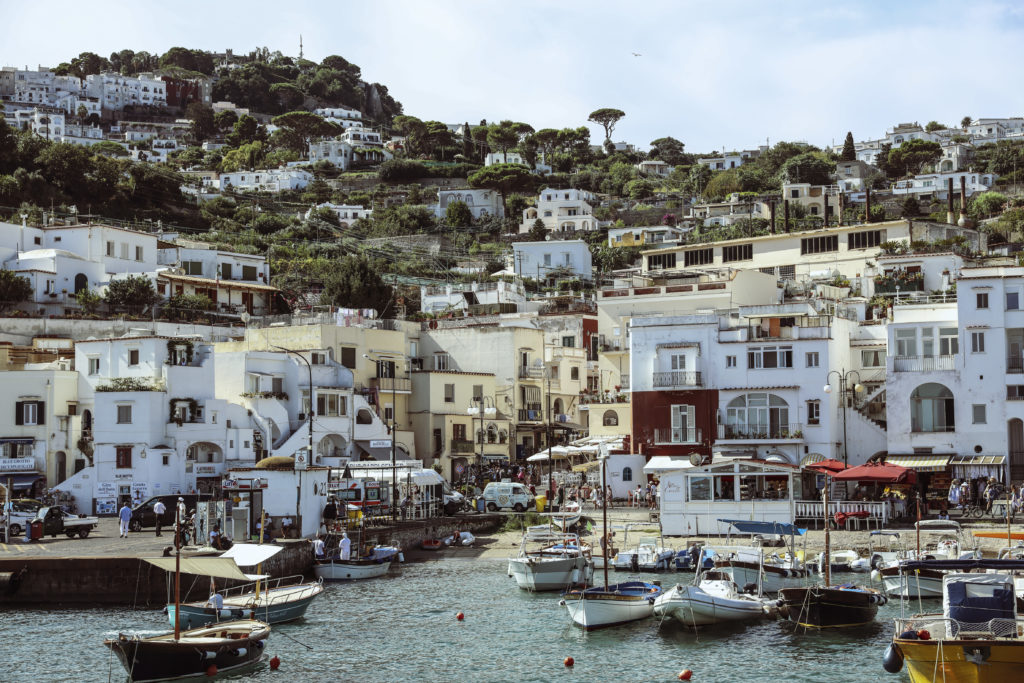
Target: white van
x=500, y=496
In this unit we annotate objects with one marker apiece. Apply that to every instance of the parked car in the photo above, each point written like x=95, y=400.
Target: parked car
x=23, y=511
x=143, y=515
x=503, y=495
x=56, y=521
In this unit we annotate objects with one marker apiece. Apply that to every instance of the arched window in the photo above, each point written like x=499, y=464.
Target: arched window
x=931, y=409
x=492, y=434
x=627, y=474
x=757, y=416
x=558, y=406
x=610, y=419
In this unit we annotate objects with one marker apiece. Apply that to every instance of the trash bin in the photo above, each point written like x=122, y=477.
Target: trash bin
x=540, y=501
x=37, y=529
x=481, y=505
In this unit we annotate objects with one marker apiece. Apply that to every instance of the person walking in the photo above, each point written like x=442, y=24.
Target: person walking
x=158, y=511
x=125, y=516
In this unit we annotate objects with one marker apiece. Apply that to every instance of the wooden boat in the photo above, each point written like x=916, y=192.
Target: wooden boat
x=550, y=560
x=827, y=606
x=431, y=544
x=714, y=600
x=274, y=601
x=194, y=652
x=568, y=516
x=351, y=570
x=978, y=636
x=751, y=566
x=610, y=604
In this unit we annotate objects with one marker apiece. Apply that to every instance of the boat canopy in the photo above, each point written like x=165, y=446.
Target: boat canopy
x=753, y=527
x=251, y=554
x=963, y=565
x=938, y=525
x=220, y=567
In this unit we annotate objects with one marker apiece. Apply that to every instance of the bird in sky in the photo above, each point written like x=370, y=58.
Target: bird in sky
x=637, y=54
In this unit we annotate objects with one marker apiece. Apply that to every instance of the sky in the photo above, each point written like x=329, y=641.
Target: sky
x=728, y=74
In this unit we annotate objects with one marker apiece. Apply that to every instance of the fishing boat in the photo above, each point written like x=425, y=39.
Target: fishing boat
x=193, y=652
x=827, y=606
x=649, y=555
x=364, y=563
x=978, y=635
x=550, y=560
x=926, y=582
x=568, y=516
x=714, y=600
x=610, y=604
x=751, y=566
x=274, y=601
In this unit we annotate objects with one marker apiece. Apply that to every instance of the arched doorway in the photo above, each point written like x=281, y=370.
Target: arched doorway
x=86, y=421
x=81, y=282
x=331, y=446
x=62, y=466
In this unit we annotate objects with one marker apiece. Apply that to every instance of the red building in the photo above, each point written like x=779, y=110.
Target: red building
x=675, y=422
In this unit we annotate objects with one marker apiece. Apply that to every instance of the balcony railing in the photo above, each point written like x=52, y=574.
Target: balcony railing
x=530, y=415
x=761, y=431
x=677, y=435
x=386, y=384
x=1015, y=365
x=531, y=372
x=677, y=378
x=923, y=363
x=461, y=446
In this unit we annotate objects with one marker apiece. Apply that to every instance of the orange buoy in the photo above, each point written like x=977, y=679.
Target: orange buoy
x=275, y=662
x=460, y=616
x=211, y=670
x=685, y=675
x=924, y=634
x=569, y=661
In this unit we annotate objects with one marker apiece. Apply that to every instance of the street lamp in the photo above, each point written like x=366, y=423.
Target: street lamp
x=377, y=356
x=481, y=409
x=309, y=367
x=844, y=376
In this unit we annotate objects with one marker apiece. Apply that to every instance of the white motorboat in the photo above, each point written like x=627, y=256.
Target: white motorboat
x=647, y=556
x=752, y=566
x=840, y=561
x=550, y=560
x=926, y=581
x=611, y=605
x=350, y=570
x=715, y=600
x=568, y=516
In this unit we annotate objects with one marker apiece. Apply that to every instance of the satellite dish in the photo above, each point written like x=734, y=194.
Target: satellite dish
x=696, y=459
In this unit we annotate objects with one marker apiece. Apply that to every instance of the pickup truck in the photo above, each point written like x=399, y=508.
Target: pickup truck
x=56, y=521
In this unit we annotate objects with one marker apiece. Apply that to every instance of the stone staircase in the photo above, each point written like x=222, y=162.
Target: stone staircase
x=872, y=407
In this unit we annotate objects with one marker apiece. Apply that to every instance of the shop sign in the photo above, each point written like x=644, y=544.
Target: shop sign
x=206, y=469
x=106, y=489
x=17, y=464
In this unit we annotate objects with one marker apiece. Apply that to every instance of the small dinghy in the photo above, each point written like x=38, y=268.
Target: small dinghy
x=431, y=544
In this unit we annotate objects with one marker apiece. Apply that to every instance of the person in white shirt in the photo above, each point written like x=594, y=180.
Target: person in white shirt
x=158, y=510
x=318, y=548
x=216, y=601
x=345, y=546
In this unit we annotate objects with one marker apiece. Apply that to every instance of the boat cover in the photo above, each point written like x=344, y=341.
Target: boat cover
x=251, y=554
x=979, y=598
x=963, y=565
x=220, y=567
x=753, y=527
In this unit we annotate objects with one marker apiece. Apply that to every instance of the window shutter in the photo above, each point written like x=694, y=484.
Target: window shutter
x=675, y=417
x=40, y=413
x=19, y=413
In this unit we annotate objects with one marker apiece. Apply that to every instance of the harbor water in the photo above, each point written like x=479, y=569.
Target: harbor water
x=403, y=628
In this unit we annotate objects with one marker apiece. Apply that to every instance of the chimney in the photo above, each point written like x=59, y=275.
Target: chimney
x=867, y=206
x=785, y=213
x=963, y=201
x=771, y=219
x=824, y=195
x=949, y=202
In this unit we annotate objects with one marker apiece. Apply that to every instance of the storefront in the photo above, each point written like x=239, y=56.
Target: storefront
x=934, y=476
x=977, y=470
x=21, y=477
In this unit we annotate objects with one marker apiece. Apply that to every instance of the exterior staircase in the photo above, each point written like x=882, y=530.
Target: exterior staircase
x=872, y=408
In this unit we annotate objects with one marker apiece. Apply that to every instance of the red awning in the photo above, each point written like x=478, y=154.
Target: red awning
x=830, y=466
x=889, y=474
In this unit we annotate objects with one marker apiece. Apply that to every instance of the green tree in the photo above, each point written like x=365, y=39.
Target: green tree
x=538, y=231
x=354, y=283
x=849, y=152
x=468, y=147
x=811, y=167
x=225, y=120
x=913, y=155
x=303, y=126
x=503, y=178
x=965, y=122
x=503, y=137
x=89, y=300
x=249, y=156
x=13, y=289
x=134, y=293
x=547, y=143
x=987, y=204
x=110, y=148
x=669, y=150
x=910, y=208
x=606, y=118
x=933, y=126
x=201, y=118
x=721, y=185
x=245, y=130
x=458, y=215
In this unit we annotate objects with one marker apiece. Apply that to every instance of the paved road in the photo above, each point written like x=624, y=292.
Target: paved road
x=103, y=540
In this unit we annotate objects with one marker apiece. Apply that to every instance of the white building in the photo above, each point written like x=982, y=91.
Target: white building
x=346, y=213
x=936, y=185
x=654, y=167
x=732, y=159
x=539, y=259
x=115, y=92
x=340, y=115
x=268, y=180
x=461, y=297
x=479, y=202
x=562, y=210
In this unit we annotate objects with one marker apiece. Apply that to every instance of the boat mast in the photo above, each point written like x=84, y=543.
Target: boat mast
x=259, y=567
x=604, y=515
x=177, y=572
x=828, y=554
x=918, y=527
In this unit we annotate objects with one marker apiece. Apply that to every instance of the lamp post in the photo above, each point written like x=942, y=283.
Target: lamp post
x=377, y=356
x=312, y=404
x=844, y=376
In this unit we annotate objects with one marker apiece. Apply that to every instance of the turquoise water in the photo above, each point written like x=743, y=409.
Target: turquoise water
x=403, y=628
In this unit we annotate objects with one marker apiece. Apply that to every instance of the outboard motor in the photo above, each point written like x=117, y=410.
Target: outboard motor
x=634, y=562
x=750, y=588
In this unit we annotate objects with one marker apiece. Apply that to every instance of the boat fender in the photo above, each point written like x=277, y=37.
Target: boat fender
x=650, y=601
x=561, y=603
x=909, y=635
x=924, y=634
x=207, y=654
x=401, y=557
x=876, y=575
x=225, y=614
x=259, y=644
x=240, y=652
x=892, y=661
x=750, y=588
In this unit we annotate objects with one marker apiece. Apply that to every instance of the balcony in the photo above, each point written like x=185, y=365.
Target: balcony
x=461, y=446
x=389, y=384
x=688, y=435
x=923, y=363
x=530, y=415
x=676, y=379
x=761, y=432
x=1014, y=365
x=531, y=372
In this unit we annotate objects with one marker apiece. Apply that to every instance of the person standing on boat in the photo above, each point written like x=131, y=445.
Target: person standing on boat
x=125, y=516
x=318, y=548
x=158, y=511
x=345, y=546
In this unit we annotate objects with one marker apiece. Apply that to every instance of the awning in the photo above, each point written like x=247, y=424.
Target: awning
x=251, y=554
x=976, y=460
x=921, y=462
x=417, y=477
x=830, y=466
x=811, y=459
x=220, y=567
x=382, y=454
x=586, y=466
x=667, y=463
x=757, y=527
x=22, y=480
x=568, y=426
x=888, y=474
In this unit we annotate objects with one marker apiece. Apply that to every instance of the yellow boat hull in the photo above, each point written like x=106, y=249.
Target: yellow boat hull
x=963, y=661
